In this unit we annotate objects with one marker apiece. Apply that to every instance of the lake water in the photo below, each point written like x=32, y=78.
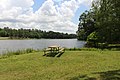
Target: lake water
x=12, y=45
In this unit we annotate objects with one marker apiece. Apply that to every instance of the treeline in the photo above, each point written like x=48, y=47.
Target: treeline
x=33, y=33
x=101, y=24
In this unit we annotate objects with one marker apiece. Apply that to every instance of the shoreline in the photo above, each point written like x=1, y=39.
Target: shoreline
x=8, y=38
x=31, y=50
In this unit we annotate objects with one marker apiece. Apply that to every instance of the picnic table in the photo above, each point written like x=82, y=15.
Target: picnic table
x=53, y=49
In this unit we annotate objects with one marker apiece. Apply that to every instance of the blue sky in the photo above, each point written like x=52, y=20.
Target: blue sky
x=75, y=19
x=48, y=15
x=37, y=4
x=79, y=11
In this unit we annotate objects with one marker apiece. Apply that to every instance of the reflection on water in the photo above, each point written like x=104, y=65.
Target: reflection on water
x=10, y=45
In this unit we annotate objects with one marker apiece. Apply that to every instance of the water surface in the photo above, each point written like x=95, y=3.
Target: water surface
x=12, y=45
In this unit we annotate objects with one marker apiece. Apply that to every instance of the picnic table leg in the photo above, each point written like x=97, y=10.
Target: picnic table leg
x=44, y=52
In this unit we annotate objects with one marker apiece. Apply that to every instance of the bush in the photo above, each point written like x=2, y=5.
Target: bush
x=102, y=45
x=96, y=40
x=92, y=40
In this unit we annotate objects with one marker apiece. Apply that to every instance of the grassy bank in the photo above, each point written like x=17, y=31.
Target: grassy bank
x=4, y=38
x=8, y=38
x=18, y=52
x=72, y=65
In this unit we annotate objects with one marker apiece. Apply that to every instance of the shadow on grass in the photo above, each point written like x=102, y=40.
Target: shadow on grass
x=60, y=54
x=53, y=54
x=83, y=77
x=108, y=75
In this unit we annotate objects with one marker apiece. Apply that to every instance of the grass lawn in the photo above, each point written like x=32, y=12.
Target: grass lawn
x=72, y=65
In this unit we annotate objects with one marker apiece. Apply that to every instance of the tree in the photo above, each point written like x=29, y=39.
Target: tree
x=108, y=19
x=33, y=33
x=3, y=33
x=86, y=25
x=101, y=21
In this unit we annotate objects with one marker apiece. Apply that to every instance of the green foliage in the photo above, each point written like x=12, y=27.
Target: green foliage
x=3, y=33
x=86, y=25
x=101, y=24
x=102, y=45
x=92, y=39
x=81, y=35
x=33, y=33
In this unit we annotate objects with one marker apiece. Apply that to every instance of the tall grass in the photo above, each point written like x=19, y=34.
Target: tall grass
x=18, y=52
x=91, y=49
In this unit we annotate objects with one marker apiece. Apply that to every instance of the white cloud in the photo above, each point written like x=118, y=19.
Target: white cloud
x=50, y=16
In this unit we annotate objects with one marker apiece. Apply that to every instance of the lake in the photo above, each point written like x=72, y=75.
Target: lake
x=13, y=45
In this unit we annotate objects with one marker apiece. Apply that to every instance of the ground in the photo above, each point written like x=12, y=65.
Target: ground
x=72, y=65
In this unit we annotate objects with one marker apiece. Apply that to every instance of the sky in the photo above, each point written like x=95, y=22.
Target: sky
x=48, y=15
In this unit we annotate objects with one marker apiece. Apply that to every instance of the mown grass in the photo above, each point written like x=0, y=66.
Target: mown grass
x=72, y=65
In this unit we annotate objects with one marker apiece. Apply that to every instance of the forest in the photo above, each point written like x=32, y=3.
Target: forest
x=33, y=33
x=101, y=24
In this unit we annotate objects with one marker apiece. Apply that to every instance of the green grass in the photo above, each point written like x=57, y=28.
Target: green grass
x=18, y=52
x=72, y=65
x=4, y=38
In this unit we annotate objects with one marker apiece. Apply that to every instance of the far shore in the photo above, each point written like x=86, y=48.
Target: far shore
x=8, y=38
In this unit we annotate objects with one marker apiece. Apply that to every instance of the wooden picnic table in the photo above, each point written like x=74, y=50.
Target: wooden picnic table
x=54, y=49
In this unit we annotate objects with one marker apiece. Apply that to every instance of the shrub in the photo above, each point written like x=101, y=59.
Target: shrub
x=96, y=40
x=102, y=45
x=92, y=40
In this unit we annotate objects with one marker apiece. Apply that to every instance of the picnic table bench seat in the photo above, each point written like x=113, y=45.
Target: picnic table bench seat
x=62, y=50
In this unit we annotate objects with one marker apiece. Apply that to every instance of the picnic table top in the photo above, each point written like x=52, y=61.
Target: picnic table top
x=54, y=46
